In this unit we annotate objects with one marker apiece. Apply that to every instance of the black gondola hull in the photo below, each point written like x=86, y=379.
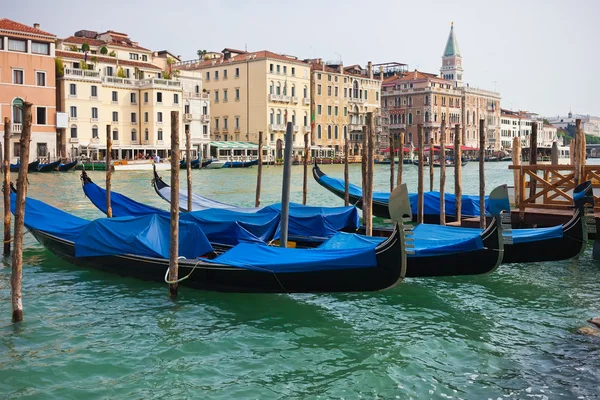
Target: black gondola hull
x=31, y=167
x=67, y=167
x=48, y=167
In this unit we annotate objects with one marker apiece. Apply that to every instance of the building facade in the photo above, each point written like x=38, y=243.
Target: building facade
x=27, y=73
x=520, y=124
x=252, y=92
x=589, y=124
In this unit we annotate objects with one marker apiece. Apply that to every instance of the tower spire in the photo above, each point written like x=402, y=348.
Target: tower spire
x=451, y=45
x=452, y=60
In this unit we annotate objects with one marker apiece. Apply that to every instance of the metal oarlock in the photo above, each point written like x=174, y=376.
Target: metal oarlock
x=409, y=239
x=589, y=218
x=506, y=225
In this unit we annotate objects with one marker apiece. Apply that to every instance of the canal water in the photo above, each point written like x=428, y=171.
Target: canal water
x=88, y=334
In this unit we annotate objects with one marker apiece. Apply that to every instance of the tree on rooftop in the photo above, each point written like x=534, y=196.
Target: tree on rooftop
x=112, y=54
x=85, y=47
x=103, y=50
x=201, y=53
x=60, y=67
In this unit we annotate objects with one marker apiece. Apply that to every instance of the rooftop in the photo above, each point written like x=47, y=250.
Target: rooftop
x=106, y=59
x=10, y=25
x=451, y=45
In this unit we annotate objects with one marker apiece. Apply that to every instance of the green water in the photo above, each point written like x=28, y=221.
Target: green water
x=89, y=334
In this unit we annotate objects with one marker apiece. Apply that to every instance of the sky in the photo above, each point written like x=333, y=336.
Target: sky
x=541, y=55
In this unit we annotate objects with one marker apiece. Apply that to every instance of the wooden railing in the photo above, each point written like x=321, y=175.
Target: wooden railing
x=553, y=184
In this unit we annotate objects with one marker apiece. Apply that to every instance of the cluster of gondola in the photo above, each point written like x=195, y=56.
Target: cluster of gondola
x=228, y=248
x=36, y=166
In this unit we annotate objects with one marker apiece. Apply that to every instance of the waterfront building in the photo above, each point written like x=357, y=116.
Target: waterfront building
x=341, y=98
x=27, y=73
x=520, y=124
x=589, y=124
x=254, y=92
x=108, y=80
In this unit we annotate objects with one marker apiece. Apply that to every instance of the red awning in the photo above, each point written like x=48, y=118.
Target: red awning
x=387, y=150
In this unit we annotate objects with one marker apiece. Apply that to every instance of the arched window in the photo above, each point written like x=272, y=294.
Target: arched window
x=410, y=119
x=293, y=91
x=474, y=120
x=272, y=117
x=467, y=117
x=146, y=134
x=335, y=132
x=294, y=118
x=115, y=134
x=318, y=131
x=94, y=132
x=426, y=116
x=159, y=135
x=279, y=117
x=17, y=112
x=133, y=135
x=410, y=100
x=305, y=119
x=305, y=92
x=73, y=131
x=345, y=132
x=329, y=132
x=355, y=89
x=426, y=99
x=278, y=88
x=272, y=88
x=197, y=89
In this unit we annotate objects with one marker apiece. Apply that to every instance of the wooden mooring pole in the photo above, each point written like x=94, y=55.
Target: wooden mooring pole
x=6, y=186
x=285, y=191
x=431, y=156
x=400, y=159
x=259, y=172
x=579, y=153
x=443, y=173
x=174, y=244
x=368, y=198
x=16, y=279
x=458, y=171
x=108, y=171
x=481, y=173
x=420, y=184
x=346, y=174
x=516, y=160
x=188, y=158
x=533, y=156
x=363, y=165
x=305, y=177
x=392, y=152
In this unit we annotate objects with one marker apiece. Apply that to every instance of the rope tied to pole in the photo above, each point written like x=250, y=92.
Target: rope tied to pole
x=180, y=279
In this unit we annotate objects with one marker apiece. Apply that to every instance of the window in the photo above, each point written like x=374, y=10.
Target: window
x=146, y=116
x=204, y=110
x=133, y=118
x=329, y=77
x=72, y=89
x=328, y=110
x=40, y=78
x=335, y=111
x=17, y=45
x=336, y=134
x=272, y=117
x=17, y=149
x=73, y=112
x=175, y=98
x=216, y=75
x=319, y=90
x=115, y=116
x=205, y=130
x=133, y=98
x=186, y=109
x=237, y=122
x=278, y=69
x=410, y=118
x=329, y=127
x=293, y=71
x=94, y=113
x=345, y=111
x=94, y=91
x=237, y=94
x=271, y=68
x=41, y=115
x=133, y=56
x=115, y=97
x=336, y=91
x=115, y=134
x=224, y=94
x=146, y=134
x=144, y=57
x=319, y=109
x=145, y=97
x=319, y=76
x=18, y=76
x=73, y=131
x=237, y=73
x=225, y=125
x=305, y=92
x=217, y=124
x=305, y=120
x=159, y=97
x=216, y=96
x=328, y=90
x=133, y=135
x=224, y=74
x=318, y=131
x=159, y=117
x=208, y=76
x=284, y=70
x=345, y=92
x=95, y=132
x=109, y=71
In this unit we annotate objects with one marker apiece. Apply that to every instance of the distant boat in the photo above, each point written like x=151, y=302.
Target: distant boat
x=68, y=166
x=48, y=167
x=215, y=164
x=32, y=167
x=140, y=165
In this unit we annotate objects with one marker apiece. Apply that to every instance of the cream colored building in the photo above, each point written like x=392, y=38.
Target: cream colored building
x=115, y=84
x=252, y=92
x=341, y=98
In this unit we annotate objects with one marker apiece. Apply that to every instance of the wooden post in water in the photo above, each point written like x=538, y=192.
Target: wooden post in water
x=533, y=156
x=583, y=155
x=259, y=172
x=420, y=189
x=516, y=160
x=458, y=171
x=346, y=174
x=368, y=197
x=400, y=159
x=285, y=191
x=431, y=155
x=305, y=178
x=6, y=186
x=16, y=279
x=188, y=158
x=554, y=154
x=579, y=153
x=392, y=152
x=481, y=173
x=174, y=244
x=443, y=174
x=363, y=165
x=108, y=171
x=572, y=152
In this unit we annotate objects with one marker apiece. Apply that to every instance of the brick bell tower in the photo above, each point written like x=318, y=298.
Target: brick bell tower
x=452, y=60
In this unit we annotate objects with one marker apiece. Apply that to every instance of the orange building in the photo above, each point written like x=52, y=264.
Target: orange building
x=27, y=73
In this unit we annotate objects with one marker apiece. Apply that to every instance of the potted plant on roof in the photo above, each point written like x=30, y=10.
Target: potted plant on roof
x=85, y=47
x=103, y=50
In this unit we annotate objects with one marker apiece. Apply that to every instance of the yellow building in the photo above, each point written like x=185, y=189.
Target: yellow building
x=252, y=92
x=109, y=80
x=341, y=98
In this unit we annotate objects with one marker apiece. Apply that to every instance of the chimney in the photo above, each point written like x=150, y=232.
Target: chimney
x=381, y=73
x=341, y=68
x=179, y=56
x=370, y=69
x=415, y=74
x=36, y=26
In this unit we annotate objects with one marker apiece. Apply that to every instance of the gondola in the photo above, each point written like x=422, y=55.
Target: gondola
x=205, y=163
x=439, y=251
x=139, y=247
x=32, y=167
x=240, y=164
x=68, y=166
x=470, y=204
x=436, y=164
x=50, y=167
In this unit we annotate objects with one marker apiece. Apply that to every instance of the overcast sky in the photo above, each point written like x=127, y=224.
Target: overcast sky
x=541, y=55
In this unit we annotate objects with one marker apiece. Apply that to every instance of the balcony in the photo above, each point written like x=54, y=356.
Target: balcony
x=307, y=128
x=73, y=140
x=296, y=128
x=160, y=142
x=306, y=101
x=81, y=74
x=111, y=81
x=356, y=100
x=355, y=127
x=135, y=142
x=276, y=127
x=285, y=99
x=17, y=128
x=295, y=99
x=194, y=95
x=187, y=117
x=205, y=118
x=275, y=97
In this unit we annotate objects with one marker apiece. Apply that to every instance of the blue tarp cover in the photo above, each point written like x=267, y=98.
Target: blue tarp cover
x=122, y=206
x=534, y=234
x=148, y=236
x=282, y=260
x=470, y=204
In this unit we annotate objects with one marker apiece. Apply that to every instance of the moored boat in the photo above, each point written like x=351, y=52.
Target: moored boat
x=48, y=167
x=68, y=166
x=31, y=167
